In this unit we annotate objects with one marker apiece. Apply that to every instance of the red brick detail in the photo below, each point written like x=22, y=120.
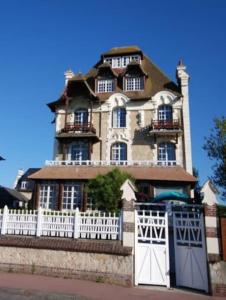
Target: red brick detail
x=219, y=290
x=223, y=237
x=210, y=210
x=97, y=246
x=128, y=205
x=128, y=227
x=212, y=258
x=212, y=232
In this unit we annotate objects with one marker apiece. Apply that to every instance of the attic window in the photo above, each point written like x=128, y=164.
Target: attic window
x=134, y=83
x=23, y=185
x=121, y=61
x=105, y=86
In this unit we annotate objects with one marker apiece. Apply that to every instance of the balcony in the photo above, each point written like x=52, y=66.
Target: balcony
x=73, y=130
x=139, y=163
x=165, y=127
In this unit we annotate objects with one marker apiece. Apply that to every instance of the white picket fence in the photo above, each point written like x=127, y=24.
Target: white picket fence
x=71, y=224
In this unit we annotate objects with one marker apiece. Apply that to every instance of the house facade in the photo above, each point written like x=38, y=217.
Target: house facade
x=126, y=113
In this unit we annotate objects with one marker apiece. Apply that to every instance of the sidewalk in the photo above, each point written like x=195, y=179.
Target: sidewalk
x=30, y=287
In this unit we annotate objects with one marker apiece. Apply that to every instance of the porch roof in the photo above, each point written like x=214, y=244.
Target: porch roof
x=175, y=173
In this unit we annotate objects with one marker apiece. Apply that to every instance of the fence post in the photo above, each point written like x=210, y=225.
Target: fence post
x=39, y=222
x=128, y=214
x=76, y=224
x=4, y=220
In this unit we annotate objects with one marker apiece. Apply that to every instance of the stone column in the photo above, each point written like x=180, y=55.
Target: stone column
x=212, y=234
x=128, y=214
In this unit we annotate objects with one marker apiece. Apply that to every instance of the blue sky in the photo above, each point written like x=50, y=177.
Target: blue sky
x=40, y=39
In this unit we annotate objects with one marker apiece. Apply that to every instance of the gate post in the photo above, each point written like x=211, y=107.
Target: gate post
x=128, y=214
x=211, y=222
x=217, y=267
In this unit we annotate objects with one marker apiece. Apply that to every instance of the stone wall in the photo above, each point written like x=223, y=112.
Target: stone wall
x=218, y=278
x=109, y=266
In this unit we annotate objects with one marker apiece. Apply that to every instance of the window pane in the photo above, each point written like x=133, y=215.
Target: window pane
x=104, y=86
x=72, y=196
x=47, y=196
x=119, y=151
x=79, y=151
x=166, y=152
x=119, y=117
x=165, y=112
x=81, y=117
x=134, y=83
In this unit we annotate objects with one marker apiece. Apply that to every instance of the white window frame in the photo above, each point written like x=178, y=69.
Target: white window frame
x=72, y=196
x=105, y=85
x=47, y=195
x=122, y=61
x=119, y=117
x=164, y=152
x=81, y=116
x=116, y=149
x=134, y=83
x=82, y=149
x=165, y=112
x=24, y=185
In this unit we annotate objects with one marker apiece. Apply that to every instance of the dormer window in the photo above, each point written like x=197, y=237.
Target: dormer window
x=23, y=185
x=122, y=61
x=134, y=83
x=105, y=85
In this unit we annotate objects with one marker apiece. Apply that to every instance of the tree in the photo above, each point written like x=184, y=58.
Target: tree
x=215, y=145
x=197, y=188
x=105, y=190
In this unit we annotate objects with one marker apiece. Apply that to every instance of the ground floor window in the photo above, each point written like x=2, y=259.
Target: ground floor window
x=47, y=195
x=72, y=196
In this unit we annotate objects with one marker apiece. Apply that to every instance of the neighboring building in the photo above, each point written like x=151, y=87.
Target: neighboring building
x=12, y=198
x=124, y=112
x=24, y=184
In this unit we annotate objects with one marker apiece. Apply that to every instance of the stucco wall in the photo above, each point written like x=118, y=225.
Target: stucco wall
x=94, y=266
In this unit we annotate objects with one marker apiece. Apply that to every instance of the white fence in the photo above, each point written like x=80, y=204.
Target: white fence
x=74, y=224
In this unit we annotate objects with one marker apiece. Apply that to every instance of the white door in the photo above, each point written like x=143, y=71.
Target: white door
x=151, y=248
x=190, y=251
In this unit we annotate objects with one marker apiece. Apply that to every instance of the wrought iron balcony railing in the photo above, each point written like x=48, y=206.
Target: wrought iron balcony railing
x=78, y=128
x=165, y=125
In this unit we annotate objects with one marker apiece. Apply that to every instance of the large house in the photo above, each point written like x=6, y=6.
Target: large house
x=124, y=112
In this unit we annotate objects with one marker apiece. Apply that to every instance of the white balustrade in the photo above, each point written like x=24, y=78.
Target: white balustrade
x=147, y=163
x=69, y=224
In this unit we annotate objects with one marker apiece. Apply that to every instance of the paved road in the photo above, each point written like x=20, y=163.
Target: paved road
x=31, y=287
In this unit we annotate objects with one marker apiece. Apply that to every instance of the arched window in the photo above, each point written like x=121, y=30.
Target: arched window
x=165, y=112
x=119, y=117
x=81, y=117
x=166, y=154
x=119, y=152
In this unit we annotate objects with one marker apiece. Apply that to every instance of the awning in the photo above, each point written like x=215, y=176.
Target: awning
x=171, y=195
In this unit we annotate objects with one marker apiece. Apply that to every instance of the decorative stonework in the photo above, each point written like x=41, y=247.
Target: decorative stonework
x=118, y=134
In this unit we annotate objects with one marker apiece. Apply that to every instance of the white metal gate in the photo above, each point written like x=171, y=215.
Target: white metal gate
x=190, y=250
x=151, y=248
